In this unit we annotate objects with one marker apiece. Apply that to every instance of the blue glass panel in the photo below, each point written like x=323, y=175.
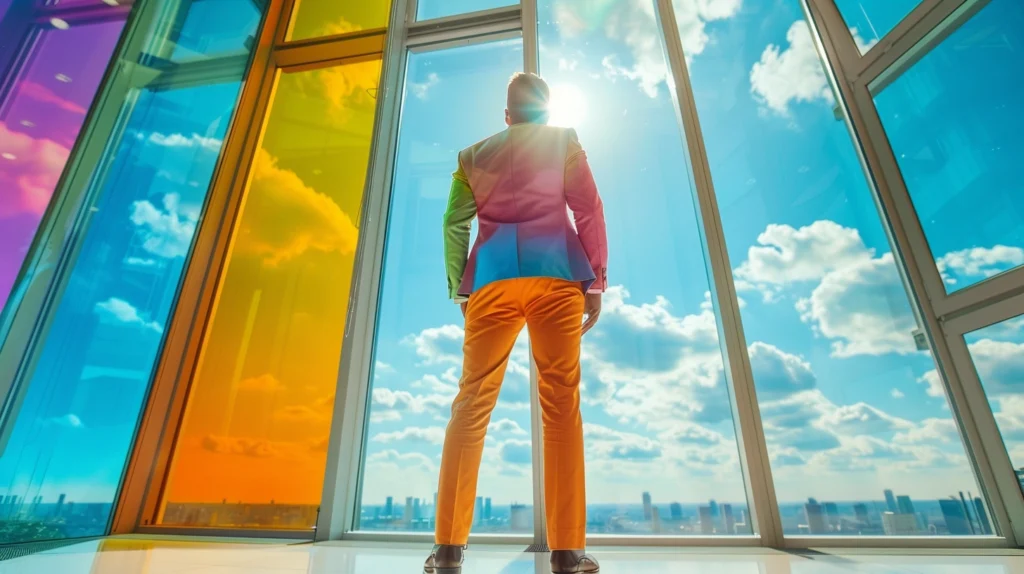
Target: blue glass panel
x=954, y=123
x=61, y=467
x=430, y=9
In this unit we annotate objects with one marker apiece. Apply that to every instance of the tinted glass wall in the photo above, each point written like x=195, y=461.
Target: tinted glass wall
x=85, y=379
x=52, y=60
x=252, y=448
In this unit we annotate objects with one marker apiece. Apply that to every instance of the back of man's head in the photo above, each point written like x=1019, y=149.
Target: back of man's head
x=528, y=97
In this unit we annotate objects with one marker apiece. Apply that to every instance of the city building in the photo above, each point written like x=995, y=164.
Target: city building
x=707, y=520
x=890, y=502
x=676, y=511
x=955, y=516
x=899, y=524
x=815, y=515
x=648, y=515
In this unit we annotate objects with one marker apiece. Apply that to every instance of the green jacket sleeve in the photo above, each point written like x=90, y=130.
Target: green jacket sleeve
x=457, y=222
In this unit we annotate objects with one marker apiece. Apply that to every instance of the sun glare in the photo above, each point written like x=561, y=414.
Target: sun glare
x=568, y=107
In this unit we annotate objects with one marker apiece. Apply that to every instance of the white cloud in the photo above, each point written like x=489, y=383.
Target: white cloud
x=389, y=405
x=383, y=368
x=401, y=460
x=790, y=74
x=979, y=262
x=785, y=255
x=506, y=426
x=121, y=311
x=897, y=394
x=438, y=345
x=863, y=308
x=633, y=23
x=517, y=452
x=428, y=435
x=69, y=420
x=183, y=141
x=778, y=374
x=165, y=232
x=422, y=90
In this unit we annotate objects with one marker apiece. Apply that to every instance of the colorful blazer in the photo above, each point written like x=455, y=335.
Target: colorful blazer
x=521, y=185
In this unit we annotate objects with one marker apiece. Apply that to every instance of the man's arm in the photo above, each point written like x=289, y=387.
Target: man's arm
x=588, y=211
x=457, y=222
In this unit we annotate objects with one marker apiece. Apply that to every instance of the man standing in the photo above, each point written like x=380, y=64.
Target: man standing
x=530, y=265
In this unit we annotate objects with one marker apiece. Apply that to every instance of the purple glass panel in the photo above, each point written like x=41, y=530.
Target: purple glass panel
x=40, y=117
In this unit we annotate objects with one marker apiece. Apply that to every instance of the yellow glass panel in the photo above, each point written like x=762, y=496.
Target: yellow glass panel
x=253, y=442
x=316, y=18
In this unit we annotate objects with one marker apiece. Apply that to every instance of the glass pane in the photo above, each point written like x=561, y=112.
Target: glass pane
x=998, y=354
x=857, y=445
x=316, y=18
x=953, y=125
x=63, y=462
x=662, y=456
x=429, y=9
x=252, y=449
x=453, y=98
x=871, y=20
x=40, y=115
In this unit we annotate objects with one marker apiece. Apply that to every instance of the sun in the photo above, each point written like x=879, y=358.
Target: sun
x=568, y=106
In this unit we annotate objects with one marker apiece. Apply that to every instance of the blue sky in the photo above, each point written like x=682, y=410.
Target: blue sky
x=849, y=405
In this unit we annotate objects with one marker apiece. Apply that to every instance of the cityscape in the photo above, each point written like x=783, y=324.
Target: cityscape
x=960, y=514
x=895, y=515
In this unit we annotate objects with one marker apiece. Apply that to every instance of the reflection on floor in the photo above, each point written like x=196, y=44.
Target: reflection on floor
x=133, y=555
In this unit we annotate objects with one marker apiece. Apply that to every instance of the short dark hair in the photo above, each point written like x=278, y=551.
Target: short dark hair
x=528, y=97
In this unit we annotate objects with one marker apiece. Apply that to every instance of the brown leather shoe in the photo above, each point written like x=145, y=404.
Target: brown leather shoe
x=445, y=560
x=573, y=562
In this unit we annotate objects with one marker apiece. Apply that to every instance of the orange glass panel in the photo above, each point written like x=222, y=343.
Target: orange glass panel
x=316, y=18
x=253, y=443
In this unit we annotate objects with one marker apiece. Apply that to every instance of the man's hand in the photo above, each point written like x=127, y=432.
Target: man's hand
x=463, y=306
x=592, y=309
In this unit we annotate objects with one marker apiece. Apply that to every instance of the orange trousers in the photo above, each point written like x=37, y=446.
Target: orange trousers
x=552, y=309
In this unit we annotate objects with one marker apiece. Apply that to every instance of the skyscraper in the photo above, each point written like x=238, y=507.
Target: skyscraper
x=707, y=522
x=407, y=517
x=487, y=509
x=985, y=527
x=956, y=519
x=389, y=506
x=676, y=511
x=60, y=506
x=860, y=511
x=815, y=517
x=728, y=520
x=968, y=513
x=832, y=514
x=478, y=516
x=899, y=524
x=519, y=517
x=655, y=521
x=647, y=507
x=416, y=512
x=890, y=502
x=905, y=505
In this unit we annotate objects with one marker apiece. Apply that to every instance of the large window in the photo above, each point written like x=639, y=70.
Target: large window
x=661, y=455
x=65, y=452
x=952, y=124
x=252, y=448
x=857, y=425
x=453, y=98
x=50, y=69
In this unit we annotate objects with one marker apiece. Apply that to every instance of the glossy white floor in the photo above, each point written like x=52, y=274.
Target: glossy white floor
x=134, y=555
